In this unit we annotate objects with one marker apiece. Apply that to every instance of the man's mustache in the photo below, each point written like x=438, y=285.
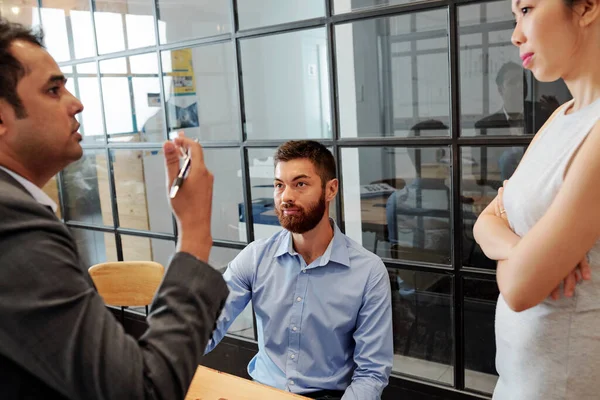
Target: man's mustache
x=288, y=205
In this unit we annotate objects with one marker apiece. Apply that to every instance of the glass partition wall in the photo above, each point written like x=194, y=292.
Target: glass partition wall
x=424, y=105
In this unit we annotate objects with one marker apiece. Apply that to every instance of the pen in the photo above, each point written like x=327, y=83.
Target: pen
x=182, y=173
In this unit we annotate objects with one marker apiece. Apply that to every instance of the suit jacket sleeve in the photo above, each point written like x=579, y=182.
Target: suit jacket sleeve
x=56, y=326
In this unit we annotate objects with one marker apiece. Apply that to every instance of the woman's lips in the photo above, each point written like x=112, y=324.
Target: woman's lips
x=526, y=58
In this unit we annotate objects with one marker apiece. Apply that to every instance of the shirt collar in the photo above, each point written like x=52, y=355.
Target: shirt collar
x=336, y=251
x=37, y=193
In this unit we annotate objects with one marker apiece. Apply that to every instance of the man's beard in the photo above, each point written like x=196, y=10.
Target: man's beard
x=306, y=220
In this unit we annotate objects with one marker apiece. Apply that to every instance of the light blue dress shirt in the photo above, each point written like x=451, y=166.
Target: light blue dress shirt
x=327, y=325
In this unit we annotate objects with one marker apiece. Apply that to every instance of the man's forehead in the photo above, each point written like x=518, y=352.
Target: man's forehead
x=36, y=60
x=291, y=169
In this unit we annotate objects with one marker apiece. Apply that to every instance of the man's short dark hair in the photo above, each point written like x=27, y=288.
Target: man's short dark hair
x=11, y=69
x=505, y=69
x=313, y=151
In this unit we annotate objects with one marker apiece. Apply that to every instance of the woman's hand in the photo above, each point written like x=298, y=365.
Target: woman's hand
x=499, y=209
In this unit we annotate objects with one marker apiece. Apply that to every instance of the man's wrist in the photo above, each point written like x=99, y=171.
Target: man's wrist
x=196, y=242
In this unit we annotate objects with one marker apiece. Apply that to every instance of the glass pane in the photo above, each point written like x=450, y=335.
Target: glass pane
x=483, y=171
x=397, y=201
x=498, y=97
x=344, y=6
x=86, y=190
x=244, y=324
x=68, y=30
x=51, y=189
x=201, y=91
x=480, y=345
x=262, y=173
x=286, y=86
x=191, y=19
x=82, y=81
x=137, y=248
x=255, y=13
x=393, y=76
x=23, y=12
x=94, y=247
x=140, y=184
x=228, y=198
x=131, y=94
x=124, y=24
x=422, y=320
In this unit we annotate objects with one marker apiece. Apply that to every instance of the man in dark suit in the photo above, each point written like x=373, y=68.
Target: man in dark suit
x=517, y=116
x=57, y=339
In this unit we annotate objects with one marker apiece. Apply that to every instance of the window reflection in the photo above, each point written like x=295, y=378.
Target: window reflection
x=286, y=86
x=228, y=198
x=201, y=92
x=393, y=75
x=422, y=324
x=94, y=247
x=498, y=97
x=140, y=187
x=484, y=170
x=138, y=248
x=189, y=19
x=243, y=325
x=345, y=6
x=124, y=24
x=132, y=103
x=86, y=192
x=255, y=13
x=397, y=201
x=480, y=346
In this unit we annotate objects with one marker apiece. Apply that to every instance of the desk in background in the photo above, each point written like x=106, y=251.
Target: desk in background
x=209, y=384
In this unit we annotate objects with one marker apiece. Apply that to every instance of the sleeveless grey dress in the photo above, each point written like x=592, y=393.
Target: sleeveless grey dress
x=551, y=351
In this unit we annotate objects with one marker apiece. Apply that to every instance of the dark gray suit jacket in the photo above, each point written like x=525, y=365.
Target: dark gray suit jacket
x=58, y=340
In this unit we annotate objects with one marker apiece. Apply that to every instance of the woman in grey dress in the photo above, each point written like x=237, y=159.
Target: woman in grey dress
x=544, y=226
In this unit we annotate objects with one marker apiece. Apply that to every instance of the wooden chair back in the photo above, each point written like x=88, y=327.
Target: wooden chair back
x=127, y=283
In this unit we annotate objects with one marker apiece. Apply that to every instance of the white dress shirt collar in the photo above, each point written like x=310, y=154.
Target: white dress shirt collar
x=37, y=193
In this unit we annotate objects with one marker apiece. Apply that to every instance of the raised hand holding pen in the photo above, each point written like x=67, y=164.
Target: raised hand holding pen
x=193, y=204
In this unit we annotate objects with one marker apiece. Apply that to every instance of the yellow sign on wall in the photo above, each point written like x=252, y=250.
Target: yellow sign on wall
x=184, y=80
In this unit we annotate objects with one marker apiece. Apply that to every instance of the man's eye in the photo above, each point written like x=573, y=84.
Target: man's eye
x=301, y=184
x=54, y=90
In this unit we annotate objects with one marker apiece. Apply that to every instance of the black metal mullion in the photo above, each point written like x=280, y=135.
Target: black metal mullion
x=39, y=11
x=113, y=199
x=334, y=111
x=456, y=219
x=396, y=9
x=245, y=164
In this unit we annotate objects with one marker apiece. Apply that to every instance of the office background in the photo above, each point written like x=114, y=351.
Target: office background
x=423, y=104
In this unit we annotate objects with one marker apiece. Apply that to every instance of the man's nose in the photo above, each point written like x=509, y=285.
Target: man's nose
x=75, y=106
x=288, y=195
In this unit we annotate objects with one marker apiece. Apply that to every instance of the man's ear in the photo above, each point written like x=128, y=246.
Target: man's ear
x=331, y=189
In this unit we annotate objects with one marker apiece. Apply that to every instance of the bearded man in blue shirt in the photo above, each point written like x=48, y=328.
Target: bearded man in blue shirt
x=322, y=302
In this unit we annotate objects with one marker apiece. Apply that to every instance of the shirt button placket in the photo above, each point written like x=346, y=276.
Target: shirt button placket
x=296, y=320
